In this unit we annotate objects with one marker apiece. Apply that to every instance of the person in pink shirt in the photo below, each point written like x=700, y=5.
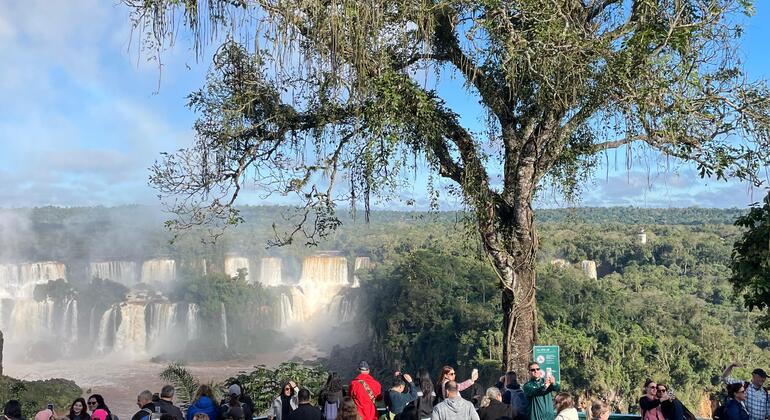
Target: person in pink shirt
x=448, y=374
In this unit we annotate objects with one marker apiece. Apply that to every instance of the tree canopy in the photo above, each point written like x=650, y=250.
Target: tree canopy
x=751, y=259
x=324, y=100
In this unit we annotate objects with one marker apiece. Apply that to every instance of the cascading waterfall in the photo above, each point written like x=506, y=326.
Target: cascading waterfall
x=235, y=263
x=158, y=271
x=123, y=272
x=107, y=330
x=192, y=321
x=361, y=263
x=284, y=312
x=270, y=271
x=224, y=324
x=69, y=325
x=19, y=280
x=132, y=331
x=322, y=278
x=32, y=319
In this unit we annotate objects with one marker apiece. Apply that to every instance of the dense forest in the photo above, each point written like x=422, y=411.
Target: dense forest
x=663, y=309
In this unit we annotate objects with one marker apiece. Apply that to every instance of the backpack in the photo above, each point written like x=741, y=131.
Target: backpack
x=235, y=413
x=330, y=409
x=149, y=414
x=518, y=401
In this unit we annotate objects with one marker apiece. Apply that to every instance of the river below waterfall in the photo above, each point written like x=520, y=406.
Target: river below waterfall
x=121, y=381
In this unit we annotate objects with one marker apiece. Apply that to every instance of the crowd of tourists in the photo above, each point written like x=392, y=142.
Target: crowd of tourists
x=418, y=397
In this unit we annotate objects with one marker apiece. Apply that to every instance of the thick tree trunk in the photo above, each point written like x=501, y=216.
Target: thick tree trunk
x=519, y=320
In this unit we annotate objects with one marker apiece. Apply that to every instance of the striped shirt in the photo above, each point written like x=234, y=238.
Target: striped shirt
x=756, y=400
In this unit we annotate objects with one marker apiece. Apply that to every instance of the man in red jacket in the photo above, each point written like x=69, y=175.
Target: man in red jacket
x=364, y=391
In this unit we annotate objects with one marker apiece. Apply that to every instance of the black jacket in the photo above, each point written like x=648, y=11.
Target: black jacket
x=496, y=411
x=306, y=411
x=169, y=408
x=143, y=412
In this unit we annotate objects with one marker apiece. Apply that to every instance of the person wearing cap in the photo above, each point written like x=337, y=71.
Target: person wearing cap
x=166, y=402
x=235, y=409
x=756, y=396
x=365, y=390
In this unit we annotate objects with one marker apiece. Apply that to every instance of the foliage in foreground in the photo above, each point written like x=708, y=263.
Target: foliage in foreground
x=262, y=384
x=751, y=259
x=35, y=395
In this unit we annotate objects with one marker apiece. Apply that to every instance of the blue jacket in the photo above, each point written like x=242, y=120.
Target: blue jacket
x=203, y=405
x=735, y=411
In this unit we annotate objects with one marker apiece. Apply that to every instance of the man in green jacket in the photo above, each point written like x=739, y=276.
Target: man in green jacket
x=538, y=391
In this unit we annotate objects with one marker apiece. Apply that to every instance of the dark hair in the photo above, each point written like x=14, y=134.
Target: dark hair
x=563, y=401
x=511, y=379
x=442, y=375
x=285, y=384
x=396, y=381
x=423, y=374
x=732, y=389
x=100, y=403
x=204, y=391
x=303, y=395
x=333, y=383
x=12, y=409
x=72, y=407
x=532, y=363
x=663, y=385
x=647, y=382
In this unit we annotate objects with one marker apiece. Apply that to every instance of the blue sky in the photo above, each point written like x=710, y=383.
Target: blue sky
x=83, y=115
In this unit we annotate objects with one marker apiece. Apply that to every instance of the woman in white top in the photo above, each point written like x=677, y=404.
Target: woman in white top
x=565, y=408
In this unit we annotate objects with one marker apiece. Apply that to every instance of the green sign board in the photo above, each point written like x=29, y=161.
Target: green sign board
x=548, y=359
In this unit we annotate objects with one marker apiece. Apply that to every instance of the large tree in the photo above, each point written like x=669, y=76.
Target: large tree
x=332, y=100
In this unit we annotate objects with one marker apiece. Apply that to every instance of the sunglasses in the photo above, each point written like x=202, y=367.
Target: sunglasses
x=534, y=369
x=287, y=389
x=92, y=403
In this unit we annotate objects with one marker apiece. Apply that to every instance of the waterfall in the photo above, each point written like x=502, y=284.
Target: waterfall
x=92, y=325
x=107, y=330
x=322, y=278
x=284, y=312
x=224, y=325
x=69, y=325
x=158, y=270
x=123, y=272
x=589, y=269
x=192, y=321
x=235, y=263
x=362, y=263
x=4, y=307
x=31, y=319
x=132, y=331
x=19, y=280
x=10, y=284
x=270, y=271
x=162, y=319
x=343, y=308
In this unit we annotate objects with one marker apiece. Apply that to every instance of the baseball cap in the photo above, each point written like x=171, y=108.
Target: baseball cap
x=363, y=365
x=759, y=372
x=234, y=390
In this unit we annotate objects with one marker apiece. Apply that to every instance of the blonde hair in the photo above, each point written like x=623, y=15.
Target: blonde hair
x=491, y=394
x=596, y=410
